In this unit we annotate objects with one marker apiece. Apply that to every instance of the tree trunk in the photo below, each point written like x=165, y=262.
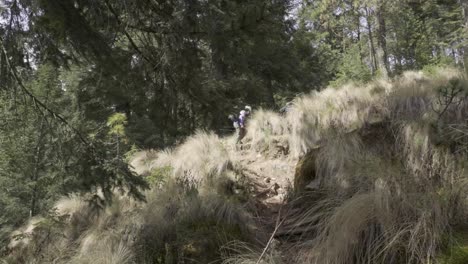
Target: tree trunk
x=371, y=43
x=270, y=94
x=357, y=17
x=381, y=39
x=35, y=173
x=359, y=40
x=175, y=113
x=464, y=5
x=192, y=117
x=221, y=69
x=454, y=55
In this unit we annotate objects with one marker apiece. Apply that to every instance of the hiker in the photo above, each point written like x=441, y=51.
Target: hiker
x=285, y=109
x=239, y=122
x=242, y=131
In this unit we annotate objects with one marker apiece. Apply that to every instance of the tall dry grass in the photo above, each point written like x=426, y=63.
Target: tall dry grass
x=316, y=115
x=266, y=129
x=396, y=203
x=412, y=96
x=391, y=186
x=203, y=157
x=177, y=223
x=238, y=252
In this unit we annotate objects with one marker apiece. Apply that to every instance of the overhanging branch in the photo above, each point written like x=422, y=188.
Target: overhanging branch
x=41, y=106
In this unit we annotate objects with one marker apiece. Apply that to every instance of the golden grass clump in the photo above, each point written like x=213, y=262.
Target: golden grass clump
x=418, y=96
x=237, y=252
x=376, y=227
x=202, y=157
x=76, y=233
x=391, y=194
x=181, y=223
x=335, y=159
x=104, y=250
x=385, y=212
x=143, y=161
x=177, y=222
x=23, y=236
x=412, y=96
x=265, y=129
x=331, y=110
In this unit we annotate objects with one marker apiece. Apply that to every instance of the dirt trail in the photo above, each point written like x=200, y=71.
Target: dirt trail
x=269, y=177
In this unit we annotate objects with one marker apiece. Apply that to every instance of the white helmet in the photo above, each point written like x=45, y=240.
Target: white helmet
x=248, y=108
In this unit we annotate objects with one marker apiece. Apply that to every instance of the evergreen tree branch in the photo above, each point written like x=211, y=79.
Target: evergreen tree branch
x=130, y=39
x=41, y=106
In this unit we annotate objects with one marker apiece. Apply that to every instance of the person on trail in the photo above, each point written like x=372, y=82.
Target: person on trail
x=239, y=123
x=242, y=131
x=285, y=109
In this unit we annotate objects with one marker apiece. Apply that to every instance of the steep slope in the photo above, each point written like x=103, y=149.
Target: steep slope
x=359, y=174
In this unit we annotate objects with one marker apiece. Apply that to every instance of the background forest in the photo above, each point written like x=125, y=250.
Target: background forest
x=83, y=83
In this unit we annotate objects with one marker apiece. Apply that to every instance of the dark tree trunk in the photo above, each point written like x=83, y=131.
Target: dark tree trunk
x=270, y=93
x=220, y=67
x=464, y=49
x=35, y=173
x=357, y=16
x=371, y=43
x=382, y=38
x=175, y=113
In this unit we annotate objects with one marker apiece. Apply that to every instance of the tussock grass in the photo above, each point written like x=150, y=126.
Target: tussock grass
x=390, y=204
x=316, y=115
x=201, y=158
x=385, y=212
x=265, y=129
x=238, y=252
x=390, y=174
x=375, y=227
x=177, y=222
x=416, y=95
x=104, y=250
x=184, y=224
x=335, y=159
x=23, y=236
x=142, y=162
x=412, y=96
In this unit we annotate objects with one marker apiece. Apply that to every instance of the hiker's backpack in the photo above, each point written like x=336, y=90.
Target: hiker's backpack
x=235, y=121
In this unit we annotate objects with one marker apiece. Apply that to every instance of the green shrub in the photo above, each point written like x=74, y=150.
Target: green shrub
x=352, y=68
x=159, y=175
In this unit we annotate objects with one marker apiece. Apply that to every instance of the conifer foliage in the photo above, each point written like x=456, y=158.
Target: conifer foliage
x=84, y=84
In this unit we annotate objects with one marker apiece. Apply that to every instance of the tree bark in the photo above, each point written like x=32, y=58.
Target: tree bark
x=454, y=55
x=35, y=173
x=175, y=113
x=464, y=5
x=221, y=69
x=357, y=16
x=371, y=43
x=381, y=39
x=270, y=94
